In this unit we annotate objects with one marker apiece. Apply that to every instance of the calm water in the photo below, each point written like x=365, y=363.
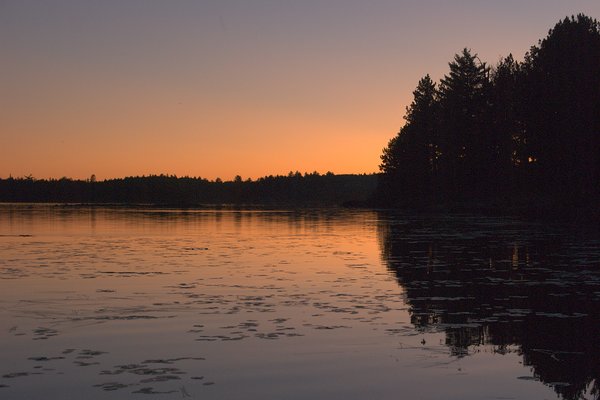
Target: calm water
x=169, y=304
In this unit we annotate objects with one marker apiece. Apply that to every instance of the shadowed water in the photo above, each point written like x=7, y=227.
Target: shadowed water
x=135, y=303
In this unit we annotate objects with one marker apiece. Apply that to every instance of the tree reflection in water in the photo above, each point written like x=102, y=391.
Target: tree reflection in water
x=504, y=283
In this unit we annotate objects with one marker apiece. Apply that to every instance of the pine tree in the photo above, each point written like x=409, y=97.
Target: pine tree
x=506, y=136
x=563, y=114
x=464, y=106
x=409, y=160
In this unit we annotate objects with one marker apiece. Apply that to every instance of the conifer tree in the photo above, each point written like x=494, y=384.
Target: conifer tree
x=464, y=104
x=409, y=159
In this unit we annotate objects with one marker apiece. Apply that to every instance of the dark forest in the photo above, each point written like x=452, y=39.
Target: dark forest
x=309, y=189
x=520, y=134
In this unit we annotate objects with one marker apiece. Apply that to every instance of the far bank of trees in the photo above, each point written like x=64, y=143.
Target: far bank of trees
x=309, y=189
x=517, y=132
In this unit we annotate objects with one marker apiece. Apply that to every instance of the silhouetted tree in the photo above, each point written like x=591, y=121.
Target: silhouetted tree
x=563, y=117
x=409, y=162
x=505, y=131
x=519, y=132
x=463, y=126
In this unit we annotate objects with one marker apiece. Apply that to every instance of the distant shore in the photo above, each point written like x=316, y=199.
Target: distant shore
x=295, y=189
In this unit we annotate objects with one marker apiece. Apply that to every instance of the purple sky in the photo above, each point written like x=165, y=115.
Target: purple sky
x=219, y=88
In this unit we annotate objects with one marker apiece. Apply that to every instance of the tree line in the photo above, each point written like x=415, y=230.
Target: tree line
x=294, y=189
x=519, y=132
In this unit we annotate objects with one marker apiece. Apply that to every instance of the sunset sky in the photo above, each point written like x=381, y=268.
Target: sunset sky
x=219, y=88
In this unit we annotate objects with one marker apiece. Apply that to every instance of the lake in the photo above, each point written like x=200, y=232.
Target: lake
x=113, y=303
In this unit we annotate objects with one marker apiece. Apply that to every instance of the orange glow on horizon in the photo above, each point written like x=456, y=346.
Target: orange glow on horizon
x=218, y=90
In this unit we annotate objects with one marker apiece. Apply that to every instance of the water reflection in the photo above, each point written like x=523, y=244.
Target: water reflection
x=294, y=304
x=220, y=304
x=55, y=218
x=516, y=287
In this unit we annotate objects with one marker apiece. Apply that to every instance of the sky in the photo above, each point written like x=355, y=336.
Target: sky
x=221, y=88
